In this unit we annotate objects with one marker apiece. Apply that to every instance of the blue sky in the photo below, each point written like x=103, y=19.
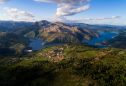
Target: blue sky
x=99, y=12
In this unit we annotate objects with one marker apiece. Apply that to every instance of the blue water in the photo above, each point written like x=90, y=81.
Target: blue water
x=36, y=44
x=104, y=36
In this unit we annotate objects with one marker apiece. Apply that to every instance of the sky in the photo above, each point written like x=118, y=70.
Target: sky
x=111, y=12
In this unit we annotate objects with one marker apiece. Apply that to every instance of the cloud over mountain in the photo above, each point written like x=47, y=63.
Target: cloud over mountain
x=69, y=7
x=18, y=15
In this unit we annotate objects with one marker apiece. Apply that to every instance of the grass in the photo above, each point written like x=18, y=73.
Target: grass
x=81, y=66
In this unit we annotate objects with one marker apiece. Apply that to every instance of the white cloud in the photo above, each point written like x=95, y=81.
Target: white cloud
x=69, y=7
x=18, y=15
x=3, y=1
x=104, y=18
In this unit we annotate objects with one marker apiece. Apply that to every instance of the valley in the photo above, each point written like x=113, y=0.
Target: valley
x=60, y=54
x=39, y=34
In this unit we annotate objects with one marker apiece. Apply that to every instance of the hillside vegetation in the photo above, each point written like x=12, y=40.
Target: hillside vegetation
x=119, y=41
x=66, y=65
x=12, y=44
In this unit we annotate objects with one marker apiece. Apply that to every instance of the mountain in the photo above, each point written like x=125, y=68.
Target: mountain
x=13, y=34
x=12, y=44
x=10, y=26
x=100, y=28
x=33, y=30
x=50, y=33
x=41, y=24
x=59, y=32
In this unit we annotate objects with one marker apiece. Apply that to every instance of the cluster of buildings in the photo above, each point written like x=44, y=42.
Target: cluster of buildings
x=55, y=54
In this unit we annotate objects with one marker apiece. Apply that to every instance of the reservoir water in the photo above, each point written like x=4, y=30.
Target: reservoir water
x=104, y=36
x=36, y=44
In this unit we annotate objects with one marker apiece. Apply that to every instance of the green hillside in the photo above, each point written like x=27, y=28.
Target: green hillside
x=119, y=41
x=12, y=44
x=66, y=65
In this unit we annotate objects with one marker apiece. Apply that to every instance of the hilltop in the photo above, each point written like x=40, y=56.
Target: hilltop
x=66, y=65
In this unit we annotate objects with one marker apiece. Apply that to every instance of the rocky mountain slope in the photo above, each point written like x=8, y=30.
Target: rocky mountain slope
x=57, y=32
x=61, y=33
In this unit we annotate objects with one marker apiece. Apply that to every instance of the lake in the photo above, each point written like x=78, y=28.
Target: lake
x=36, y=44
x=104, y=36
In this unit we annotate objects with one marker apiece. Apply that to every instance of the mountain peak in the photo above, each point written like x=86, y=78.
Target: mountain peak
x=42, y=23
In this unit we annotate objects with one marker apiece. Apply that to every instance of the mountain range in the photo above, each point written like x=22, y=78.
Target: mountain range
x=18, y=35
